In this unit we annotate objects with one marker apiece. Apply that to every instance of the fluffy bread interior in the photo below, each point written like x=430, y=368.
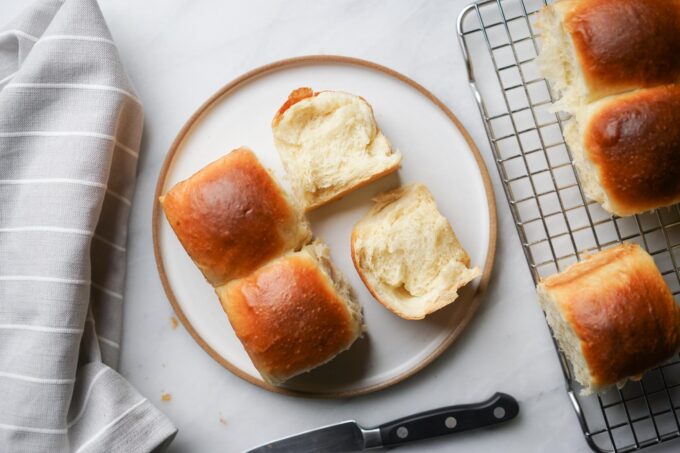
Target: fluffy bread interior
x=330, y=144
x=566, y=338
x=408, y=255
x=557, y=59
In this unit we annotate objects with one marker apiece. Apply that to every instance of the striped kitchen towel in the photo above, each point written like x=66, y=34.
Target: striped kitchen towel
x=70, y=129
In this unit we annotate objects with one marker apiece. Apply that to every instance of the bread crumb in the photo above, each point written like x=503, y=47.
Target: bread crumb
x=174, y=322
x=223, y=420
x=166, y=397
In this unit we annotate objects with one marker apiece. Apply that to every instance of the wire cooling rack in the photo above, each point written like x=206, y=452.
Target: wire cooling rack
x=556, y=223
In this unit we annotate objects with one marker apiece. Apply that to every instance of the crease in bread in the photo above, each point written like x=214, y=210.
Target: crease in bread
x=612, y=315
x=293, y=314
x=408, y=255
x=330, y=145
x=232, y=216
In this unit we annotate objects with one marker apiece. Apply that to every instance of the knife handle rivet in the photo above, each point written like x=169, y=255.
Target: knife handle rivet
x=450, y=422
x=402, y=432
x=499, y=412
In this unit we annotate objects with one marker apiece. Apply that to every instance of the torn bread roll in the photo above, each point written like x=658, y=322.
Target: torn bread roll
x=232, y=217
x=626, y=149
x=592, y=49
x=330, y=145
x=613, y=316
x=408, y=255
x=293, y=314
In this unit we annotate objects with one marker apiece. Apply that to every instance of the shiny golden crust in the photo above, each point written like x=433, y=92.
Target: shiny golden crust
x=289, y=317
x=621, y=310
x=624, y=44
x=232, y=217
x=634, y=142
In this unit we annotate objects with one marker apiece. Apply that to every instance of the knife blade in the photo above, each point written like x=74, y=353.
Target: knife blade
x=349, y=436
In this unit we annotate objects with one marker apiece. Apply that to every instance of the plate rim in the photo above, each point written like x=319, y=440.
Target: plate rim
x=287, y=63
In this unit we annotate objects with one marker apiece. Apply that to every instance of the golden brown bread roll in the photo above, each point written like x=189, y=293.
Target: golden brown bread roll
x=232, y=217
x=627, y=149
x=591, y=49
x=612, y=315
x=293, y=314
x=617, y=64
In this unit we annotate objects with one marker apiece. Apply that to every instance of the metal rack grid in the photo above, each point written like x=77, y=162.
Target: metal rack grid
x=556, y=223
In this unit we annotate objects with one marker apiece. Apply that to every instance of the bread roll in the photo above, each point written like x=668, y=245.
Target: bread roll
x=612, y=315
x=627, y=149
x=293, y=314
x=408, y=255
x=330, y=144
x=591, y=49
x=232, y=216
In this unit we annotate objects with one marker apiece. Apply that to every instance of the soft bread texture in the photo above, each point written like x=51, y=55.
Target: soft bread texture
x=592, y=49
x=627, y=150
x=557, y=60
x=232, y=217
x=613, y=316
x=330, y=144
x=408, y=255
x=293, y=314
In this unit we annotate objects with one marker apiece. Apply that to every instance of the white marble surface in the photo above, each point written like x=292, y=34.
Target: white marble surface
x=177, y=53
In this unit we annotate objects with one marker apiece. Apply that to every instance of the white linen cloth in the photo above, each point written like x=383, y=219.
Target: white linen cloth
x=70, y=130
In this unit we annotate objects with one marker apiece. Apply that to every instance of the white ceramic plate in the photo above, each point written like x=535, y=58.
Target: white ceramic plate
x=437, y=152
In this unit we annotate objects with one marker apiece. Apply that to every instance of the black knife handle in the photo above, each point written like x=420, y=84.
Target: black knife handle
x=448, y=420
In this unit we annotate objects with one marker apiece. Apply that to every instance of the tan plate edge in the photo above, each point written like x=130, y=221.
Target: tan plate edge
x=324, y=59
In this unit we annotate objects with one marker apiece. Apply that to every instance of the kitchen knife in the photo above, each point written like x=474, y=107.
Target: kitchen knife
x=349, y=436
